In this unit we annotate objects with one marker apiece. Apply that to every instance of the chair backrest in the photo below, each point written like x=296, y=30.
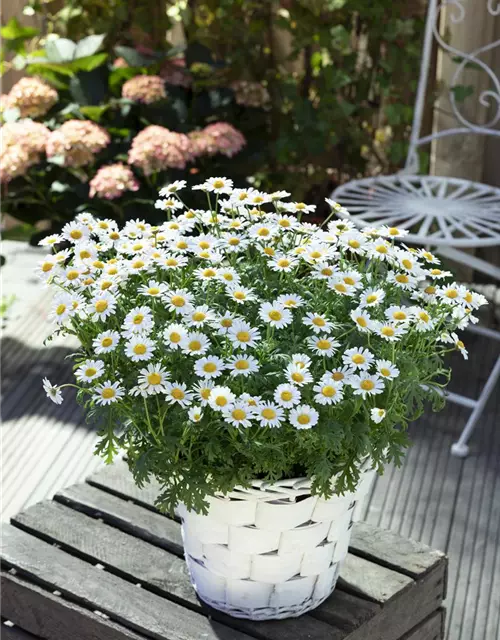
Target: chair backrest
x=457, y=12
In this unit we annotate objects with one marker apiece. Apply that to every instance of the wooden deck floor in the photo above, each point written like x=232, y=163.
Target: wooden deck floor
x=450, y=504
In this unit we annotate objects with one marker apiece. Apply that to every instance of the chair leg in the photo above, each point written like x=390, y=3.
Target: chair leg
x=461, y=448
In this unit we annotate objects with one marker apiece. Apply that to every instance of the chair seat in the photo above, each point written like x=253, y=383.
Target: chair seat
x=437, y=210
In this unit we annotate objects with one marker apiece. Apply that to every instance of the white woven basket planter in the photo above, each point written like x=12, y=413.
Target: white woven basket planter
x=271, y=551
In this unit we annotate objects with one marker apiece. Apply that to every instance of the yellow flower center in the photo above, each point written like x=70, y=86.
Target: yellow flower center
x=103, y=225
x=177, y=393
x=290, y=302
x=283, y=262
x=371, y=298
x=239, y=295
x=171, y=262
x=153, y=291
x=318, y=322
x=243, y=336
x=175, y=337
x=90, y=372
x=329, y=391
x=194, y=345
x=350, y=281
x=218, y=184
x=140, y=349
x=381, y=248
x=286, y=396
x=199, y=316
x=101, y=305
x=221, y=401
x=204, y=393
x=60, y=309
x=367, y=385
x=108, y=393
x=137, y=264
x=284, y=223
x=209, y=367
x=297, y=376
x=138, y=318
x=204, y=244
x=385, y=372
x=112, y=271
x=241, y=365
x=137, y=246
x=269, y=251
x=460, y=344
x=72, y=275
x=209, y=273
x=182, y=244
x=436, y=272
x=388, y=331
x=154, y=378
x=408, y=264
x=88, y=281
x=84, y=254
x=424, y=316
x=402, y=279
x=275, y=315
x=303, y=419
x=315, y=254
x=361, y=321
x=340, y=287
x=98, y=264
x=326, y=271
x=338, y=376
x=226, y=323
x=300, y=206
x=452, y=293
x=323, y=344
x=468, y=297
x=178, y=301
x=47, y=266
x=355, y=244
x=263, y=232
x=234, y=242
x=238, y=414
x=268, y=414
x=358, y=359
x=107, y=342
x=430, y=290
x=393, y=231
x=399, y=315
x=243, y=196
x=76, y=234
x=114, y=235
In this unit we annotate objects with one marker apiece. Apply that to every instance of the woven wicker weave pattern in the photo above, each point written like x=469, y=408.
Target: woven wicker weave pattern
x=271, y=551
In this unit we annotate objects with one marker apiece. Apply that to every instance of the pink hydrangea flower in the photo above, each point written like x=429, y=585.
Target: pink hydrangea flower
x=111, y=181
x=78, y=141
x=145, y=89
x=174, y=72
x=32, y=97
x=23, y=142
x=220, y=137
x=156, y=148
x=250, y=94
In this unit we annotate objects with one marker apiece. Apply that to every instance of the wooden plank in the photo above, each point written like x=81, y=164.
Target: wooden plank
x=127, y=516
x=432, y=628
x=392, y=550
x=93, y=588
x=54, y=618
x=372, y=581
x=117, y=479
x=10, y=632
x=154, y=568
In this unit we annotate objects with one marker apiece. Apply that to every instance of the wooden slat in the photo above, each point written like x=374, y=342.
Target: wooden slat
x=127, y=604
x=9, y=632
x=118, y=480
x=127, y=516
x=371, y=580
x=53, y=618
x=432, y=628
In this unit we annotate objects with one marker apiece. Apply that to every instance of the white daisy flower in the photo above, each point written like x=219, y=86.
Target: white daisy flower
x=362, y=319
x=102, y=305
x=460, y=346
x=328, y=391
x=324, y=271
x=72, y=275
x=323, y=345
x=218, y=185
x=178, y=300
x=169, y=204
x=108, y=392
x=243, y=335
x=242, y=196
x=438, y=274
x=173, y=187
x=62, y=308
x=239, y=414
x=402, y=280
x=53, y=392
x=203, y=389
x=386, y=369
x=358, y=358
x=206, y=274
x=317, y=322
x=171, y=262
x=240, y=294
x=301, y=360
x=303, y=417
x=221, y=398
x=300, y=207
x=423, y=319
x=106, y=341
x=371, y=297
x=354, y=240
x=209, y=367
x=269, y=414
x=242, y=365
x=198, y=316
x=50, y=241
x=228, y=275
x=390, y=331
x=279, y=195
x=195, y=413
x=298, y=375
x=138, y=320
x=290, y=301
x=287, y=395
x=262, y=231
x=379, y=249
x=450, y=294
x=153, y=289
x=427, y=255
x=139, y=348
x=275, y=314
x=177, y=393
x=286, y=222
x=75, y=231
x=377, y=415
x=396, y=314
x=47, y=268
x=89, y=370
x=341, y=374
x=366, y=384
x=282, y=262
x=337, y=284
x=195, y=343
x=392, y=232
x=152, y=379
x=223, y=323
x=174, y=334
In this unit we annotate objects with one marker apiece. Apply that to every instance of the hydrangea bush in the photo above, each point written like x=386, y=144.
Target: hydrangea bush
x=240, y=341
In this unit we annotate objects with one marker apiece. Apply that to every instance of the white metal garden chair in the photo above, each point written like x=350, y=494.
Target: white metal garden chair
x=445, y=213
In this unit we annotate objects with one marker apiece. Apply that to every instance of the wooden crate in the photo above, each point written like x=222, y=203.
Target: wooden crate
x=100, y=562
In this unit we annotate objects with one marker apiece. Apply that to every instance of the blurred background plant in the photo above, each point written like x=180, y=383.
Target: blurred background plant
x=290, y=94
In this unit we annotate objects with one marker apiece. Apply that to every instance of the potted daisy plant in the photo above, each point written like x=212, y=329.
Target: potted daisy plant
x=260, y=367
